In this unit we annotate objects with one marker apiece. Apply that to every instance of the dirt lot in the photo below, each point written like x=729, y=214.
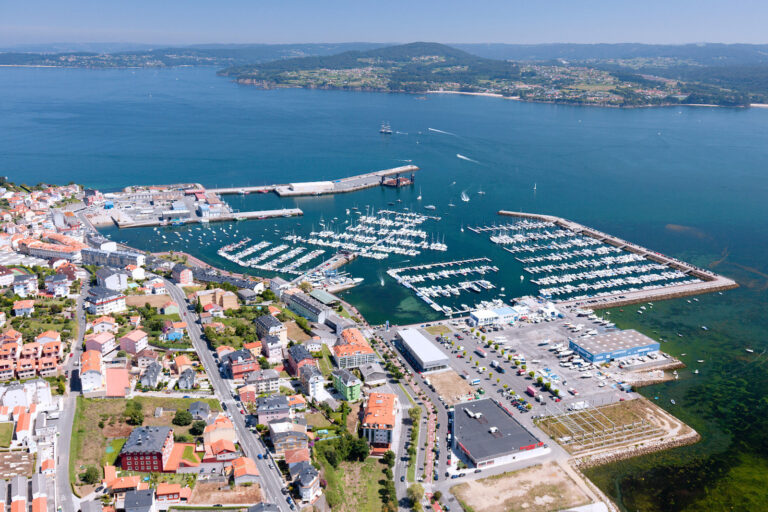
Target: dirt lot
x=540, y=488
x=206, y=493
x=16, y=463
x=438, y=329
x=153, y=300
x=450, y=386
x=295, y=332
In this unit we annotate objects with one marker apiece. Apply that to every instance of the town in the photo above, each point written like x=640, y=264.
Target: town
x=145, y=382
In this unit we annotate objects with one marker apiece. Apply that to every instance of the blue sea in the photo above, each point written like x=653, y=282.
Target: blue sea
x=691, y=182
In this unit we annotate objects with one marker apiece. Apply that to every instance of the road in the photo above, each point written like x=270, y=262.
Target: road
x=271, y=479
x=64, y=496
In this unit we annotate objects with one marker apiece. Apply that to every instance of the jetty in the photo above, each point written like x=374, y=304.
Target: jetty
x=317, y=188
x=259, y=214
x=703, y=281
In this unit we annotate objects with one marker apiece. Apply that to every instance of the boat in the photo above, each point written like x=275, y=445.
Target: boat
x=430, y=207
x=696, y=371
x=462, y=227
x=673, y=401
x=419, y=197
x=704, y=328
x=534, y=187
x=751, y=351
x=385, y=129
x=464, y=197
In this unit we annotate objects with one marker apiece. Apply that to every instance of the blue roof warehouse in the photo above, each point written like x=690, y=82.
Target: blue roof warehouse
x=613, y=345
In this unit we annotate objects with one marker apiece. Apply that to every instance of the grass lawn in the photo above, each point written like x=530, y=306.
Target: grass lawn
x=113, y=450
x=354, y=486
x=437, y=330
x=189, y=454
x=317, y=420
x=325, y=362
x=6, y=434
x=89, y=439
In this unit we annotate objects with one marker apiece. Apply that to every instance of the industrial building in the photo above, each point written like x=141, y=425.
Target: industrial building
x=420, y=351
x=613, y=345
x=485, y=434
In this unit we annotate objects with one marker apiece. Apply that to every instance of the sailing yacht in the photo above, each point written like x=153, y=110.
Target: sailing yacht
x=464, y=197
x=419, y=198
x=534, y=187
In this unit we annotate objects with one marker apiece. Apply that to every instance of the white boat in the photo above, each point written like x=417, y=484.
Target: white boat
x=419, y=197
x=430, y=207
x=534, y=187
x=751, y=351
x=464, y=197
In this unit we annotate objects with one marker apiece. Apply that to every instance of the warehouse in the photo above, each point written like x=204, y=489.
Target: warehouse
x=424, y=355
x=485, y=434
x=613, y=345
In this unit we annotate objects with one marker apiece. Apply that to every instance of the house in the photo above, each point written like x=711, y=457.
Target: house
x=312, y=380
x=118, y=383
x=272, y=349
x=147, y=449
x=247, y=393
x=298, y=356
x=239, y=363
x=268, y=325
x=104, y=324
x=352, y=349
x=182, y=275
x=296, y=456
x=91, y=372
x=145, y=358
x=379, y=414
x=265, y=381
x=24, y=307
x=25, y=285
x=220, y=428
x=244, y=470
x=308, y=483
x=182, y=363
x=254, y=348
x=6, y=276
x=151, y=376
x=23, y=428
x=102, y=301
x=7, y=370
x=57, y=285
x=373, y=374
x=347, y=384
x=156, y=287
x=2, y=319
x=272, y=408
x=313, y=345
x=26, y=368
x=168, y=493
x=134, y=342
x=169, y=308
x=187, y=379
x=47, y=336
x=200, y=410
x=217, y=296
x=223, y=350
x=308, y=307
x=104, y=342
x=222, y=450
x=288, y=440
x=112, y=279
x=174, y=331
x=139, y=501
x=136, y=273
x=47, y=367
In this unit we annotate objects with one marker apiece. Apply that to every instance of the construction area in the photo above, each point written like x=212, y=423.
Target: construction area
x=539, y=488
x=451, y=387
x=583, y=428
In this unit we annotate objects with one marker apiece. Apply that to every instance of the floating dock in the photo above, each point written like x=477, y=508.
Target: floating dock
x=709, y=281
x=318, y=188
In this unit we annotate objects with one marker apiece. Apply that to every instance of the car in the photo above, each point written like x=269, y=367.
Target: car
x=478, y=470
x=454, y=477
x=447, y=474
x=402, y=478
x=284, y=490
x=271, y=466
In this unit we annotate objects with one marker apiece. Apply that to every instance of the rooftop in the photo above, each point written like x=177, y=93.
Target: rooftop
x=379, y=410
x=146, y=439
x=422, y=348
x=614, y=341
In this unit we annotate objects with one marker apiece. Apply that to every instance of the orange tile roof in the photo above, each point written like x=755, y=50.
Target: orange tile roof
x=124, y=482
x=380, y=410
x=104, y=319
x=134, y=335
x=91, y=361
x=221, y=421
x=252, y=345
x=110, y=474
x=352, y=343
x=40, y=504
x=48, y=334
x=166, y=489
x=297, y=455
x=182, y=361
x=24, y=422
x=12, y=334
x=19, y=506
x=222, y=445
x=48, y=464
x=296, y=400
x=186, y=492
x=23, y=304
x=224, y=348
x=118, y=382
x=100, y=338
x=244, y=466
x=179, y=325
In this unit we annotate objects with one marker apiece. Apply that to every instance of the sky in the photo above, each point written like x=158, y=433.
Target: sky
x=446, y=21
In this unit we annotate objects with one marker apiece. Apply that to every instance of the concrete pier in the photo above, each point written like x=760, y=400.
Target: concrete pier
x=261, y=214
x=710, y=282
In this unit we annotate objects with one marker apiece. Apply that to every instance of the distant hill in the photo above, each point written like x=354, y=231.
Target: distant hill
x=408, y=67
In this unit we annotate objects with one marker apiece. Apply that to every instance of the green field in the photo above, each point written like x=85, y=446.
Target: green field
x=6, y=434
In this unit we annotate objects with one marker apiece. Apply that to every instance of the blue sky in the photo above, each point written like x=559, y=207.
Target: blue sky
x=297, y=21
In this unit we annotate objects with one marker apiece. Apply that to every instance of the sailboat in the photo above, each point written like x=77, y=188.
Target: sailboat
x=419, y=198
x=385, y=129
x=464, y=197
x=534, y=187
x=462, y=227
x=481, y=192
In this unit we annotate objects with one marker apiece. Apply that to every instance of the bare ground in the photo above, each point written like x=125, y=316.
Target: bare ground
x=153, y=300
x=540, y=488
x=16, y=463
x=450, y=386
x=206, y=493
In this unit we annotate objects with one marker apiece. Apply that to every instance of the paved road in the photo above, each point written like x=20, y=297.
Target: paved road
x=64, y=497
x=271, y=479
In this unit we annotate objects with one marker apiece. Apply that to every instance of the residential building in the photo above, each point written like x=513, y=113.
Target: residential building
x=200, y=410
x=352, y=350
x=312, y=380
x=373, y=374
x=239, y=363
x=265, y=381
x=272, y=349
x=272, y=408
x=104, y=324
x=288, y=440
x=57, y=285
x=151, y=376
x=299, y=356
x=119, y=259
x=347, y=384
x=102, y=301
x=268, y=325
x=112, y=279
x=104, y=342
x=147, y=449
x=134, y=342
x=140, y=501
x=145, y=358
x=25, y=285
x=308, y=481
x=244, y=471
x=182, y=275
x=168, y=493
x=6, y=276
x=217, y=296
x=187, y=379
x=379, y=415
x=92, y=375
x=304, y=305
x=24, y=307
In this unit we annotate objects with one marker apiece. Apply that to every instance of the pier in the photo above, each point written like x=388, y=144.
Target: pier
x=260, y=214
x=708, y=281
x=317, y=188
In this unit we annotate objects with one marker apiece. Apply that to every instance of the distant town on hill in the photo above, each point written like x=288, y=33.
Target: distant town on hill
x=599, y=74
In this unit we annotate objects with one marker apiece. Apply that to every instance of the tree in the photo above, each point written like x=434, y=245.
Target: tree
x=415, y=493
x=91, y=475
x=358, y=450
x=530, y=373
x=539, y=380
x=332, y=457
x=305, y=286
x=389, y=458
x=182, y=418
x=437, y=496
x=198, y=428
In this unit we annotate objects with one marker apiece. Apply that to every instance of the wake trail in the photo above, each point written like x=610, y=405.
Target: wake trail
x=441, y=131
x=466, y=158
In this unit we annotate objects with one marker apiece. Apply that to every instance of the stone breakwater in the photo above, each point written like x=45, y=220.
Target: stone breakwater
x=624, y=453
